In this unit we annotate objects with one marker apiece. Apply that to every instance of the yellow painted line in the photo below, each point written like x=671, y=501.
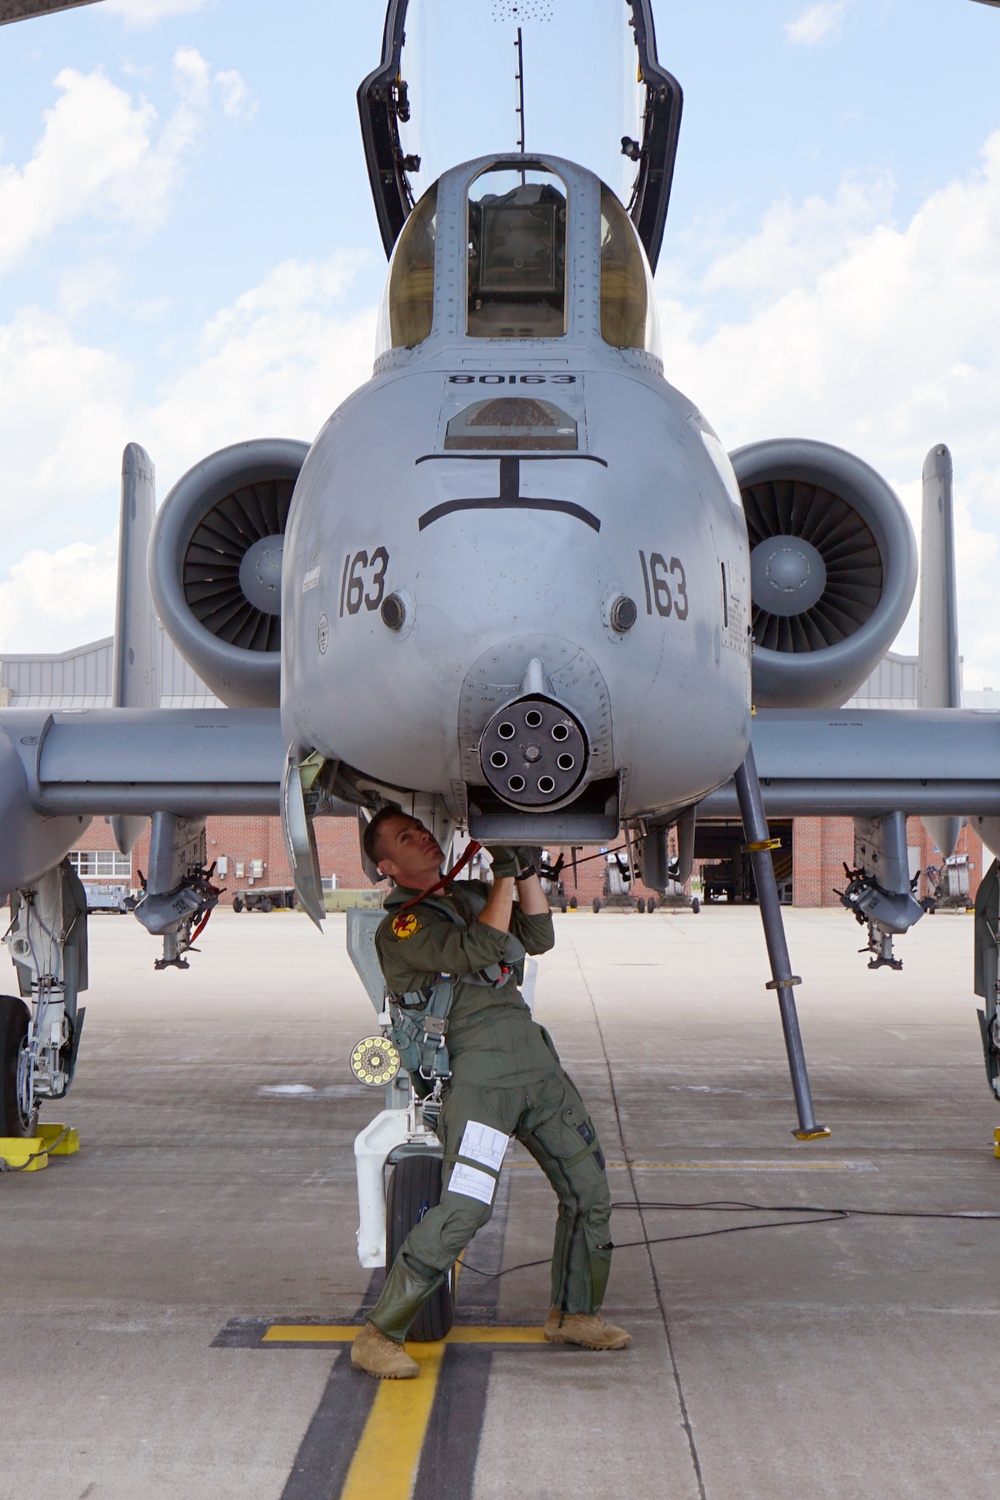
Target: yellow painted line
x=385, y=1460
x=311, y=1333
x=343, y=1333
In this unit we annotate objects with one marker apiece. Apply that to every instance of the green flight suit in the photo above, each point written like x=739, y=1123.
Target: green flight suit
x=505, y=1074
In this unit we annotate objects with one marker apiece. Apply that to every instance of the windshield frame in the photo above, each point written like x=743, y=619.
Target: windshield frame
x=383, y=102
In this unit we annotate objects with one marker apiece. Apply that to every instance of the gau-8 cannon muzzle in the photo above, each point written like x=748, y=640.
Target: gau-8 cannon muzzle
x=534, y=752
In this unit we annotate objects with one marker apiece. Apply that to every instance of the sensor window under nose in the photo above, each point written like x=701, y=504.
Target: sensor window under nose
x=533, y=753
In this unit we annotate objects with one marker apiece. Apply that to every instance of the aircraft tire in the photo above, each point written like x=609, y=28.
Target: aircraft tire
x=14, y=1018
x=414, y=1187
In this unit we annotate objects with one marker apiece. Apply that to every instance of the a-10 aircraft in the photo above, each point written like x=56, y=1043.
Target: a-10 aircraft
x=517, y=586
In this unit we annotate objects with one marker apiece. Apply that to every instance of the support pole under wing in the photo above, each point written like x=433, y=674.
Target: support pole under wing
x=783, y=980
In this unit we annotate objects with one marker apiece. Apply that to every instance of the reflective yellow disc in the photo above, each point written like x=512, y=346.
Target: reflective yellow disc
x=375, y=1061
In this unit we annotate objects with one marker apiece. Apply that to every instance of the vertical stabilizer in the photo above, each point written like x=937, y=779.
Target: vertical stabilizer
x=135, y=669
x=939, y=668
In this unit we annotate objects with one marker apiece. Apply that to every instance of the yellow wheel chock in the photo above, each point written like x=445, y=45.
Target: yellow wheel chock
x=31, y=1153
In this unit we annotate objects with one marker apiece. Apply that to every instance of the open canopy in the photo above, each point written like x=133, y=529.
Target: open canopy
x=574, y=78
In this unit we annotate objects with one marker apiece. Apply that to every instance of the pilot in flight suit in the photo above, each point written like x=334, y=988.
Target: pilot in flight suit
x=505, y=1079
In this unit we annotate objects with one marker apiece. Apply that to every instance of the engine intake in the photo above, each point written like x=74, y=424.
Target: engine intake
x=833, y=568
x=215, y=566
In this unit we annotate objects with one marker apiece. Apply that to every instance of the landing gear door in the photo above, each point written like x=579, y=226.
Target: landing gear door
x=300, y=840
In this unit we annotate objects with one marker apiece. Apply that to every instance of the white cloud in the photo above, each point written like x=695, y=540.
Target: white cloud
x=795, y=242
x=148, y=12
x=63, y=409
x=87, y=283
x=100, y=154
x=90, y=156
x=237, y=101
x=816, y=23
x=55, y=597
x=886, y=340
x=274, y=363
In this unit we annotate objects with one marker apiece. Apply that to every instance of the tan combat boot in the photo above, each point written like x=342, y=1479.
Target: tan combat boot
x=589, y=1330
x=380, y=1356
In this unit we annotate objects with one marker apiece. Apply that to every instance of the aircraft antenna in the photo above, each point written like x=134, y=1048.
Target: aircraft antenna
x=519, y=44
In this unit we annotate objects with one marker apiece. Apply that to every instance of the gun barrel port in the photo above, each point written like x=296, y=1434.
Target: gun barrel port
x=533, y=753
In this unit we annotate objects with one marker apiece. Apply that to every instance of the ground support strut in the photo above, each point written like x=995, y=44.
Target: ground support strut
x=783, y=980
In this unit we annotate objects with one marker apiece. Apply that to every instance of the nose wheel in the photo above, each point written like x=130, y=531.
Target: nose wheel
x=17, y=1115
x=414, y=1187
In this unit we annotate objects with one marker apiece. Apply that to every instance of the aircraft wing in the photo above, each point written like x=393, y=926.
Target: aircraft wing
x=21, y=10
x=58, y=770
x=836, y=763
x=122, y=760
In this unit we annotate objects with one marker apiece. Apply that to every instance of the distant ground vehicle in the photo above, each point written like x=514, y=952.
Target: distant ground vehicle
x=617, y=892
x=104, y=896
x=949, y=883
x=265, y=898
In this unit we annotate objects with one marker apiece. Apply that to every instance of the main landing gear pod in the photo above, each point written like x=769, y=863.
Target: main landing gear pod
x=533, y=752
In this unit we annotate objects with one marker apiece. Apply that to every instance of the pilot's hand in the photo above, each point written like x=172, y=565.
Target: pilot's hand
x=528, y=856
x=504, y=860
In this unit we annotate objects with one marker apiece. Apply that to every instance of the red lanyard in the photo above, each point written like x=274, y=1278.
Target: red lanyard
x=472, y=850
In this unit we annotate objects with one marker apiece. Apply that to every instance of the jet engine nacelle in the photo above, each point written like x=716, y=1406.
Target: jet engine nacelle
x=215, y=567
x=833, y=568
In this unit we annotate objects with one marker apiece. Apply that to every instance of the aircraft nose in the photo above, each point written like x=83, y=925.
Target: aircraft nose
x=533, y=752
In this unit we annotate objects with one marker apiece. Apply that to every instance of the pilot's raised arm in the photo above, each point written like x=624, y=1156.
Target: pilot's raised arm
x=452, y=955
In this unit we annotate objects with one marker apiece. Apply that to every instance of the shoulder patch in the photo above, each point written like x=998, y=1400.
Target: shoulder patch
x=405, y=925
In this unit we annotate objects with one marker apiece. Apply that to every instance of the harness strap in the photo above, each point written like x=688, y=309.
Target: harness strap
x=470, y=1161
x=421, y=1037
x=572, y=1161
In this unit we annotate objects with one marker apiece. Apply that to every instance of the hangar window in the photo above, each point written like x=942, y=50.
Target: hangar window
x=103, y=864
x=517, y=256
x=408, y=302
x=628, y=304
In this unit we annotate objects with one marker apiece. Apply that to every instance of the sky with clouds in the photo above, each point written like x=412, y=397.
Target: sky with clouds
x=189, y=255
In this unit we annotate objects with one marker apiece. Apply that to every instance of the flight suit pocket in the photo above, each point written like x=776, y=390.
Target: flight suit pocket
x=585, y=1131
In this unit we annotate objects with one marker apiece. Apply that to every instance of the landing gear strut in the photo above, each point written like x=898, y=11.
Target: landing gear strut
x=40, y=1032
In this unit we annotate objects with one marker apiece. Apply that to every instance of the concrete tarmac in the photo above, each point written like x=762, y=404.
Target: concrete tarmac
x=161, y=1290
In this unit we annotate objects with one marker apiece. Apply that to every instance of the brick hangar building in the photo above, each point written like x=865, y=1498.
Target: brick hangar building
x=250, y=851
